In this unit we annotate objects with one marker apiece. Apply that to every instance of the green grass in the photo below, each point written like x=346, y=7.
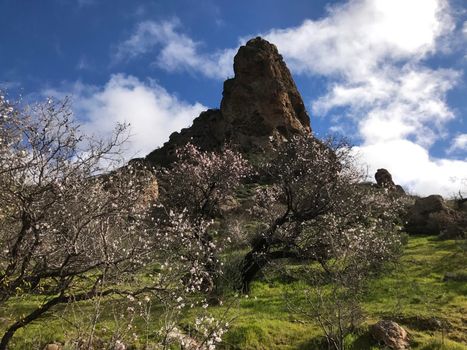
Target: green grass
x=415, y=288
x=412, y=292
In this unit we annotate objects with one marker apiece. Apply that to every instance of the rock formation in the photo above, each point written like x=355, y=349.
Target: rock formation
x=261, y=106
x=431, y=215
x=384, y=180
x=390, y=334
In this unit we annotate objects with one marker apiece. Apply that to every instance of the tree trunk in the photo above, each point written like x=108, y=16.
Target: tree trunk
x=254, y=262
x=28, y=319
x=257, y=258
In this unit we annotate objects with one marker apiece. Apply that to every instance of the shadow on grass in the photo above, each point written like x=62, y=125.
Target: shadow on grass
x=361, y=341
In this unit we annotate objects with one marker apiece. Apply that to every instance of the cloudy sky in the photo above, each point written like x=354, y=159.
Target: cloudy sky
x=389, y=74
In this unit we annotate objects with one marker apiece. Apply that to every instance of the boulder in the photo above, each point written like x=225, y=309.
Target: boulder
x=390, y=334
x=260, y=107
x=53, y=346
x=455, y=228
x=431, y=215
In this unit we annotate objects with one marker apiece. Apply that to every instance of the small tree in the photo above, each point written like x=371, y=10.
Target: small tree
x=65, y=224
x=199, y=182
x=314, y=189
x=195, y=186
x=354, y=254
x=72, y=229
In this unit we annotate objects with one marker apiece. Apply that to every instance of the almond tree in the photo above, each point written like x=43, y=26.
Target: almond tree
x=195, y=186
x=355, y=251
x=314, y=189
x=198, y=182
x=70, y=228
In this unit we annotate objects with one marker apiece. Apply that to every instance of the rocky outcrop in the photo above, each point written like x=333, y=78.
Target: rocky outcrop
x=142, y=180
x=384, y=180
x=431, y=215
x=261, y=106
x=391, y=335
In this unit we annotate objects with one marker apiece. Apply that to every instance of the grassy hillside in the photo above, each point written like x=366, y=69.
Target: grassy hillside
x=413, y=293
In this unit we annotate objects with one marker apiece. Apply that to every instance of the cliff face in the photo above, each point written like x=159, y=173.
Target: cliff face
x=261, y=106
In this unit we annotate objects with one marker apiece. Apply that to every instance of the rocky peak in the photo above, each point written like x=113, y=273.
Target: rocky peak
x=261, y=106
x=384, y=180
x=263, y=92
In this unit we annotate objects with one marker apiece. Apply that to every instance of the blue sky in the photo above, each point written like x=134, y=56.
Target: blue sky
x=389, y=74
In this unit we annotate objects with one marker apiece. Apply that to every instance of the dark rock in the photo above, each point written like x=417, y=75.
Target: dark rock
x=390, y=334
x=384, y=180
x=456, y=227
x=399, y=189
x=431, y=215
x=261, y=107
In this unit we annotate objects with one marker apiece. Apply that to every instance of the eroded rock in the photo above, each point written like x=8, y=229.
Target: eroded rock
x=420, y=218
x=384, y=180
x=261, y=106
x=390, y=334
x=431, y=215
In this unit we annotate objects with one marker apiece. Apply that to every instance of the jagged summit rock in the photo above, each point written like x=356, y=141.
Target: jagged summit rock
x=384, y=180
x=263, y=93
x=261, y=106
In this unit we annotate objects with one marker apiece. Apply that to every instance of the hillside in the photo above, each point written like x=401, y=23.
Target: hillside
x=243, y=231
x=413, y=292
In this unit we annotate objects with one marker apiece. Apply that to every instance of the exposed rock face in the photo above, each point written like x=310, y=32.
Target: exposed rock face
x=261, y=106
x=431, y=215
x=390, y=334
x=384, y=180
x=147, y=187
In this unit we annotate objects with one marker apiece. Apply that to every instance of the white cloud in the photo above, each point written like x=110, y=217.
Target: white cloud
x=373, y=52
x=174, y=51
x=355, y=38
x=395, y=104
x=459, y=144
x=153, y=113
x=411, y=165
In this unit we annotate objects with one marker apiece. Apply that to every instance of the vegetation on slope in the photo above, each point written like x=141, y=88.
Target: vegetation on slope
x=412, y=292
